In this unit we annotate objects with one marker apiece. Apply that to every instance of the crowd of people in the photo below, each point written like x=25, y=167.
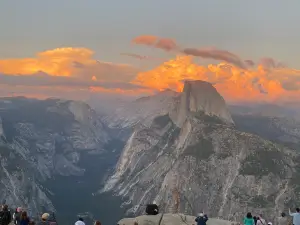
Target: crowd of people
x=20, y=217
x=282, y=220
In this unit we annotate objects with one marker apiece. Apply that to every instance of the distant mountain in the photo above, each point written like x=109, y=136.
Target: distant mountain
x=192, y=157
x=142, y=110
x=47, y=143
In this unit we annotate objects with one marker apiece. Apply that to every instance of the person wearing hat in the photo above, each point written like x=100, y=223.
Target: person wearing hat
x=201, y=219
x=44, y=220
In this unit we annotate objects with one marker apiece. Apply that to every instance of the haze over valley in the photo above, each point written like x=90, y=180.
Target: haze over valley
x=107, y=107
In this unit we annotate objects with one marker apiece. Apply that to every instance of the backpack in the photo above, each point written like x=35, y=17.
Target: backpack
x=152, y=209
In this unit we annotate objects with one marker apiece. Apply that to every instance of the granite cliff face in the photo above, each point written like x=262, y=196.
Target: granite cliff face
x=193, y=158
x=200, y=97
x=42, y=139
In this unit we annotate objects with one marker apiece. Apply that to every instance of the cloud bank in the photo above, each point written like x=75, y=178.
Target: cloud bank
x=66, y=69
x=75, y=73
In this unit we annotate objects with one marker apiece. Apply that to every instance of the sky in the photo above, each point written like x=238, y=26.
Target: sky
x=51, y=48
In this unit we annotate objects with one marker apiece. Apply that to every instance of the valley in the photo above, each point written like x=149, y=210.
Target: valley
x=187, y=151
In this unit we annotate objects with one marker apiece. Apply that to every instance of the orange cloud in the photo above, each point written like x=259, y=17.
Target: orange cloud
x=234, y=83
x=74, y=73
x=166, y=44
x=75, y=62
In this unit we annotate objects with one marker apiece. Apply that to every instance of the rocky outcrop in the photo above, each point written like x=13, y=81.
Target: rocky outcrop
x=202, y=162
x=201, y=97
x=170, y=219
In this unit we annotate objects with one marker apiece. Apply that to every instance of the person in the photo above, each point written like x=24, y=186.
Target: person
x=79, y=222
x=261, y=220
x=16, y=215
x=255, y=220
x=283, y=220
x=97, y=222
x=24, y=219
x=248, y=220
x=44, y=220
x=296, y=216
x=5, y=216
x=201, y=219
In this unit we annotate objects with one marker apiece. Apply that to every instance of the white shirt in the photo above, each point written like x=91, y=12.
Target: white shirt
x=79, y=223
x=261, y=221
x=296, y=218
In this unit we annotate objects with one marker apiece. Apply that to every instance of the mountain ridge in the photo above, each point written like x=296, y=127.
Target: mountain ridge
x=204, y=163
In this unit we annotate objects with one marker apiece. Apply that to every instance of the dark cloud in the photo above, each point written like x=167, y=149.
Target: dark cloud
x=268, y=63
x=216, y=54
x=168, y=44
x=165, y=44
x=142, y=57
x=249, y=62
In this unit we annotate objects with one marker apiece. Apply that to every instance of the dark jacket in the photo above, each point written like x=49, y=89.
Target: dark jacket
x=25, y=222
x=43, y=223
x=5, y=217
x=201, y=220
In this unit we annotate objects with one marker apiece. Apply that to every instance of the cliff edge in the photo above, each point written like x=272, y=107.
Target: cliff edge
x=170, y=219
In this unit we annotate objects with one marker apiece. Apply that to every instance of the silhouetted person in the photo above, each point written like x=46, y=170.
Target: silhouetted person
x=201, y=219
x=255, y=220
x=5, y=216
x=17, y=215
x=24, y=219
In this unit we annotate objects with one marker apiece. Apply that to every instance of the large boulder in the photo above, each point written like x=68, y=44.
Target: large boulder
x=170, y=219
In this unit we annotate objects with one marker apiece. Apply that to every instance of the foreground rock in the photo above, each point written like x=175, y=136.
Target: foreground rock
x=170, y=219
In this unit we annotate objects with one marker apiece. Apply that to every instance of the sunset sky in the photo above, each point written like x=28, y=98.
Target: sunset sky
x=74, y=49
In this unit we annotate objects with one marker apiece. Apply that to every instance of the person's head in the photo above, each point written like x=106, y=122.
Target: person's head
x=24, y=215
x=97, y=222
x=5, y=207
x=19, y=209
x=249, y=215
x=269, y=223
x=80, y=219
x=45, y=216
x=283, y=214
x=201, y=214
x=297, y=210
